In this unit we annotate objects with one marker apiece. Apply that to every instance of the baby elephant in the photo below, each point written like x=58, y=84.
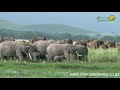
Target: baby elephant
x=59, y=58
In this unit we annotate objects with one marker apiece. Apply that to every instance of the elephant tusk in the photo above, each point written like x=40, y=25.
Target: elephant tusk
x=30, y=56
x=79, y=54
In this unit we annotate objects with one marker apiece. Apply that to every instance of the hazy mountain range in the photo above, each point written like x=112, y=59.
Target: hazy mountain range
x=60, y=22
x=49, y=28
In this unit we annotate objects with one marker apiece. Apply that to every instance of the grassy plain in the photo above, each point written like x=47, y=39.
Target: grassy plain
x=102, y=64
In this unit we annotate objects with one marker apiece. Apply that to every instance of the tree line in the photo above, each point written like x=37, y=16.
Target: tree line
x=56, y=36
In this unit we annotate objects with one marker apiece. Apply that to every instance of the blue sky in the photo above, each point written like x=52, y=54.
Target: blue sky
x=85, y=20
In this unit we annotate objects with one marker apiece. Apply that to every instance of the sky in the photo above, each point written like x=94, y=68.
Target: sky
x=85, y=20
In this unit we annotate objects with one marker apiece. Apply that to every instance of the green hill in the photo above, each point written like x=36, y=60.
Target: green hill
x=58, y=28
x=10, y=25
x=49, y=28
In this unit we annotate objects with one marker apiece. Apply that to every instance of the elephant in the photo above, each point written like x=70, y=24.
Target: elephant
x=36, y=39
x=82, y=42
x=16, y=49
x=59, y=58
x=8, y=39
x=42, y=48
x=41, y=38
x=68, y=41
x=118, y=47
x=2, y=39
x=111, y=44
x=32, y=52
x=64, y=41
x=95, y=44
x=82, y=53
x=74, y=42
x=103, y=46
x=66, y=50
x=51, y=41
x=117, y=44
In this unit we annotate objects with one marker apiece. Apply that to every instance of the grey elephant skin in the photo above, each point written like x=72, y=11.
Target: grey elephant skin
x=59, y=58
x=60, y=50
x=82, y=53
x=95, y=44
x=42, y=47
x=15, y=49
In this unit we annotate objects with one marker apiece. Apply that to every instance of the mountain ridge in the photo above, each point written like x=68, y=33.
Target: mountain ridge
x=49, y=28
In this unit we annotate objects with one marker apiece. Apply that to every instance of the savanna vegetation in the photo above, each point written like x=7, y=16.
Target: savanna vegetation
x=100, y=61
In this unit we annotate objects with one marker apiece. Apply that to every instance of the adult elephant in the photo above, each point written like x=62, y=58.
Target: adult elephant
x=81, y=42
x=111, y=44
x=2, y=39
x=82, y=53
x=51, y=41
x=117, y=44
x=8, y=39
x=66, y=50
x=95, y=44
x=17, y=49
x=64, y=41
x=103, y=46
x=42, y=47
x=118, y=47
x=36, y=39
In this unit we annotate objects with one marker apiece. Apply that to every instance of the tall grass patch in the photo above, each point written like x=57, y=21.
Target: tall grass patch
x=100, y=55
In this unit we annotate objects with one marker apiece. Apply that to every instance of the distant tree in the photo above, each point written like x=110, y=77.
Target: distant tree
x=93, y=38
x=106, y=38
x=81, y=37
x=65, y=36
x=117, y=38
x=98, y=36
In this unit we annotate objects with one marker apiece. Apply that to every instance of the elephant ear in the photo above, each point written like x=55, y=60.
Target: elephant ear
x=68, y=48
x=71, y=48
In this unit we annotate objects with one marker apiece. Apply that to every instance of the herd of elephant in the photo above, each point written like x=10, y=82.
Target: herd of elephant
x=40, y=49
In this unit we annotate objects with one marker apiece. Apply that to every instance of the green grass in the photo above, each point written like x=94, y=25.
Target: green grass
x=100, y=61
x=10, y=69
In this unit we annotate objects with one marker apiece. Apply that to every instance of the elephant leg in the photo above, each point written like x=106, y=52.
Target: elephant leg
x=67, y=55
x=50, y=57
x=19, y=55
x=11, y=58
x=36, y=56
x=71, y=57
x=75, y=58
x=1, y=55
x=86, y=58
x=2, y=58
x=5, y=58
x=78, y=59
x=42, y=57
